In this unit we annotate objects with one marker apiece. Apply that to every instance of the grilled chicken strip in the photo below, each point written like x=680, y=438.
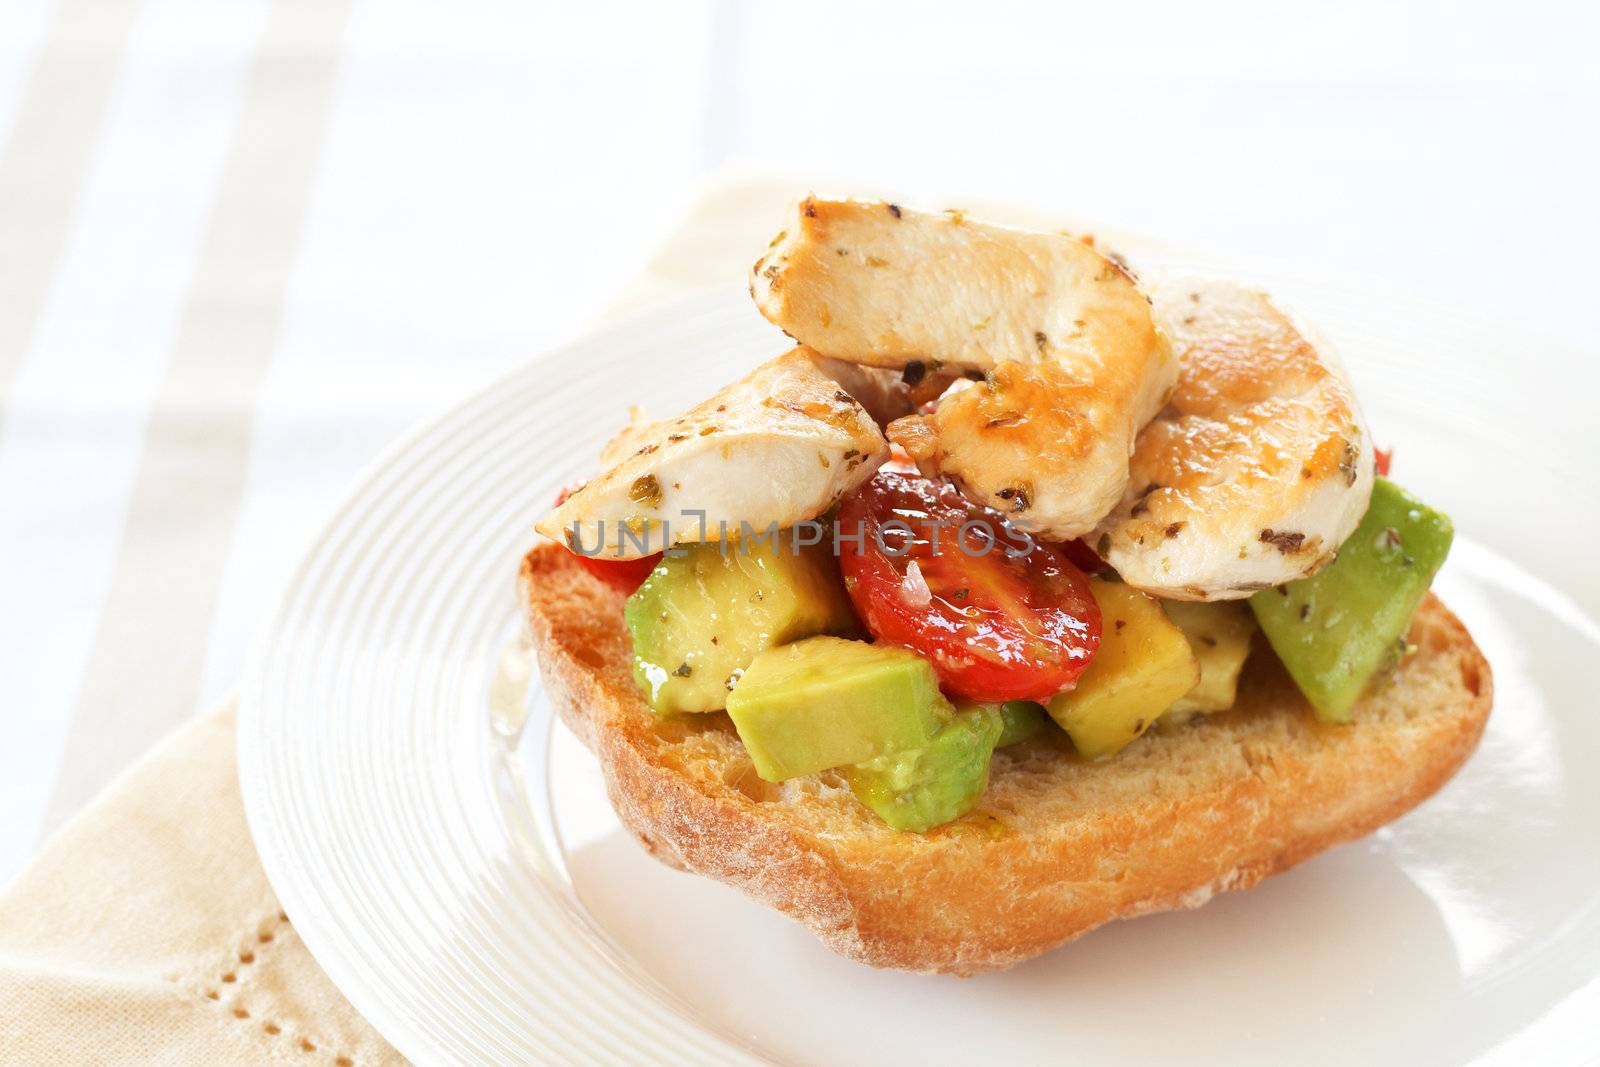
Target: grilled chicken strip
x=780, y=445
x=1046, y=446
x=1259, y=467
x=1073, y=362
x=882, y=285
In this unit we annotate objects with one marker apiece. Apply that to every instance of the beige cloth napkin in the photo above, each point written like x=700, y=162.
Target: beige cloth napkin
x=145, y=931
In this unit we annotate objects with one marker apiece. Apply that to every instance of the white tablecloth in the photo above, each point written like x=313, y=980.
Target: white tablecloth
x=244, y=243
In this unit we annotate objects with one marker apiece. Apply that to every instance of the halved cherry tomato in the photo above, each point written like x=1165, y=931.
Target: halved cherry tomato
x=624, y=574
x=996, y=626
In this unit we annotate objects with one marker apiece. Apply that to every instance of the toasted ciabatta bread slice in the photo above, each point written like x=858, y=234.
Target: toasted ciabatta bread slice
x=1057, y=845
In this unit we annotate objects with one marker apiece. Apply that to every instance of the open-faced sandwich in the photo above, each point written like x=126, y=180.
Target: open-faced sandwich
x=1021, y=595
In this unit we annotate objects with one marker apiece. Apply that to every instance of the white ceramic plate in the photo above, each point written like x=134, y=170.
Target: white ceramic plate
x=459, y=874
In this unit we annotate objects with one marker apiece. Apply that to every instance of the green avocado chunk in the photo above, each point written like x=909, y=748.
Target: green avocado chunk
x=921, y=788
x=702, y=616
x=828, y=702
x=1020, y=720
x=1335, y=630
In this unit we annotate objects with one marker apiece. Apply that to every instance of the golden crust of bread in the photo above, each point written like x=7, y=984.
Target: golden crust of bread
x=1058, y=845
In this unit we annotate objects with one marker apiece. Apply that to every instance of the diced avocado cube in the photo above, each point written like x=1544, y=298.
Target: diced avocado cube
x=702, y=616
x=828, y=702
x=921, y=788
x=1219, y=636
x=1335, y=630
x=1144, y=664
x=1019, y=721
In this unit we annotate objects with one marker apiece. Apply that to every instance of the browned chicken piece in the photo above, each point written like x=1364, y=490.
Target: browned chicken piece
x=1259, y=467
x=1071, y=360
x=779, y=446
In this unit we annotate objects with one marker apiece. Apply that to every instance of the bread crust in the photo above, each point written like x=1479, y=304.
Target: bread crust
x=1058, y=845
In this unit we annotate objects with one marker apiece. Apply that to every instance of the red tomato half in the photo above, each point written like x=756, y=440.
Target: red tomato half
x=1381, y=459
x=624, y=574
x=995, y=626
